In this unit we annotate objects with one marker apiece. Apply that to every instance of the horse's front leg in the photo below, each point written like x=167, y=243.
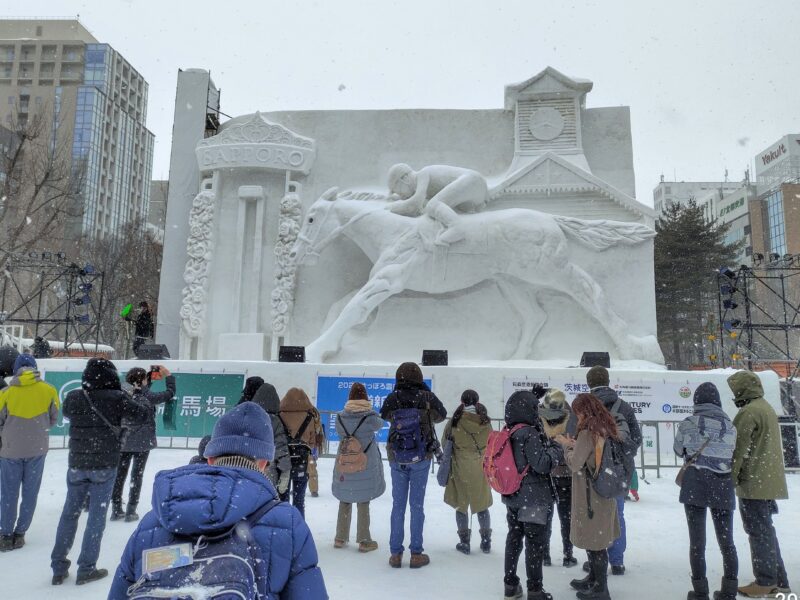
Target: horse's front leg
x=381, y=286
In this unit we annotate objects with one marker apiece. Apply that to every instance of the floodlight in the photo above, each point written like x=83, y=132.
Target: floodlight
x=729, y=304
x=726, y=289
x=731, y=325
x=85, y=287
x=774, y=257
x=88, y=269
x=82, y=318
x=47, y=256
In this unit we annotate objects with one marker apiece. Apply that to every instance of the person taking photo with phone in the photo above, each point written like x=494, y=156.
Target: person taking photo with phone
x=138, y=435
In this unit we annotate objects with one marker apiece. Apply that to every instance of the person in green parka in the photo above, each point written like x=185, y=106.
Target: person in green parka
x=467, y=489
x=760, y=479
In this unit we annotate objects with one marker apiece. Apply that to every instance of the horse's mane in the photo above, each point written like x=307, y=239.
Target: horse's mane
x=357, y=195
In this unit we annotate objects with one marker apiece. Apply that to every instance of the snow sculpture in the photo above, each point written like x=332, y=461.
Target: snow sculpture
x=285, y=268
x=436, y=191
x=200, y=248
x=505, y=246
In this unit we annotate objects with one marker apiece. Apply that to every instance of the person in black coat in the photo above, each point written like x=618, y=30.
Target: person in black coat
x=528, y=509
x=138, y=437
x=143, y=328
x=95, y=416
x=251, y=386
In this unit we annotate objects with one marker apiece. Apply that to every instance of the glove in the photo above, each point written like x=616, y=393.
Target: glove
x=283, y=483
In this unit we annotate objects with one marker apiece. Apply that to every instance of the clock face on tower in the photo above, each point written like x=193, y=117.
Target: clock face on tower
x=546, y=123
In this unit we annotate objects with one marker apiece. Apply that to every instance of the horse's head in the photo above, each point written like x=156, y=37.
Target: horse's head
x=319, y=228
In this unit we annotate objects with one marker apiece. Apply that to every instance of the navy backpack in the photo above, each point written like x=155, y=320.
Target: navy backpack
x=406, y=436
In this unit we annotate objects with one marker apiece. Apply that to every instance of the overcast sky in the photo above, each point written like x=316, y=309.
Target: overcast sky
x=710, y=83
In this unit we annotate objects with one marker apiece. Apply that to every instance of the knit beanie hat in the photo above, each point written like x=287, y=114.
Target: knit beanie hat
x=554, y=406
x=409, y=372
x=470, y=398
x=707, y=393
x=597, y=376
x=24, y=361
x=244, y=431
x=100, y=374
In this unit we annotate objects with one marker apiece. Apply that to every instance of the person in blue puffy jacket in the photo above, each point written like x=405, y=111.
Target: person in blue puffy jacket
x=201, y=499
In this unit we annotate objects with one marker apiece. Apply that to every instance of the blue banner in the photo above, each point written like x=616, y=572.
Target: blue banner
x=332, y=393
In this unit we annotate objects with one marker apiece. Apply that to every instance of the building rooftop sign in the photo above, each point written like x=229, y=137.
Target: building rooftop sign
x=779, y=162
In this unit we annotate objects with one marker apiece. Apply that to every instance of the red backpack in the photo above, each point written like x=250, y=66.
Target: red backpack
x=498, y=462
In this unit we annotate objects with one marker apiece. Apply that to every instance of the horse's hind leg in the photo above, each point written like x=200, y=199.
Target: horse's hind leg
x=379, y=288
x=531, y=317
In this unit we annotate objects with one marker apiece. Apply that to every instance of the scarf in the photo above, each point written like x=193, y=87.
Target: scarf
x=358, y=405
x=238, y=462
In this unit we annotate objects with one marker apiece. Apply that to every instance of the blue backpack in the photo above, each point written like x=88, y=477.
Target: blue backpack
x=223, y=567
x=406, y=436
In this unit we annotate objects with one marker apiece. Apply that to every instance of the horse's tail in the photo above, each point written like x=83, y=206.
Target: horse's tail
x=601, y=235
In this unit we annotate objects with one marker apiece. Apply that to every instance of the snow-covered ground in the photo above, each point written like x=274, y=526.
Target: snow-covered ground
x=657, y=557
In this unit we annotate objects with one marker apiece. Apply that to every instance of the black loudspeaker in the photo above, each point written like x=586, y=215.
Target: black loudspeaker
x=434, y=358
x=596, y=359
x=292, y=354
x=152, y=352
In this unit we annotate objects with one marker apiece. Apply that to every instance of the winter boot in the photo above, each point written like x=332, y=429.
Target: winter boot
x=728, y=591
x=19, y=540
x=599, y=590
x=117, y=514
x=587, y=568
x=512, y=592
x=754, y=590
x=339, y=543
x=539, y=595
x=419, y=560
x=699, y=591
x=59, y=579
x=486, y=541
x=569, y=560
x=464, y=537
x=396, y=560
x=618, y=569
x=130, y=514
x=89, y=577
x=582, y=584
x=367, y=546
x=6, y=543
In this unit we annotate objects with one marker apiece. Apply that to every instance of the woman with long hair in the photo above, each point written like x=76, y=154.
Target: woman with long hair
x=467, y=489
x=595, y=523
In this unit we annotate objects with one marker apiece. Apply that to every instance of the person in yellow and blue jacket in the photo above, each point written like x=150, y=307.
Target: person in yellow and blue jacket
x=28, y=408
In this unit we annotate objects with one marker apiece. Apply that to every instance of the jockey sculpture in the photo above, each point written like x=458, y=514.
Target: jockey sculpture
x=436, y=190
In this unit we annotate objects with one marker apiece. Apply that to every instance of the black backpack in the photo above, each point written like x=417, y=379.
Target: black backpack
x=298, y=449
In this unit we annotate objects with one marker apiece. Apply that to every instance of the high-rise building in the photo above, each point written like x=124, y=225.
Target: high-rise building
x=91, y=99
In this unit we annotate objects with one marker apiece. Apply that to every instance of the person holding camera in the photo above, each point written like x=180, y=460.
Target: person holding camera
x=138, y=435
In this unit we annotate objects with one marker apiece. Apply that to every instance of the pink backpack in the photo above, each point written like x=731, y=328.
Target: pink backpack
x=498, y=462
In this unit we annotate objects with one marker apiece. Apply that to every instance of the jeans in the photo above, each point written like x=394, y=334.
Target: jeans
x=534, y=536
x=408, y=487
x=563, y=487
x=16, y=473
x=765, y=551
x=297, y=491
x=137, y=473
x=723, y=526
x=616, y=551
x=362, y=522
x=96, y=484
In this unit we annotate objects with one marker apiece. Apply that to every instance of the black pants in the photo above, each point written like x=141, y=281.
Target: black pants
x=563, y=486
x=764, y=548
x=137, y=472
x=723, y=526
x=534, y=537
x=298, y=482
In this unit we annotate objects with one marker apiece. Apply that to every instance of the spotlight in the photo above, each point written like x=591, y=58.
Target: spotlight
x=61, y=255
x=88, y=269
x=727, y=272
x=85, y=287
x=729, y=304
x=82, y=318
x=731, y=325
x=33, y=255
x=82, y=300
x=726, y=289
x=757, y=256
x=47, y=256
x=788, y=258
x=774, y=257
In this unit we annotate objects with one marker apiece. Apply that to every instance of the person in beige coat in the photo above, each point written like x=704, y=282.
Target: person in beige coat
x=595, y=523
